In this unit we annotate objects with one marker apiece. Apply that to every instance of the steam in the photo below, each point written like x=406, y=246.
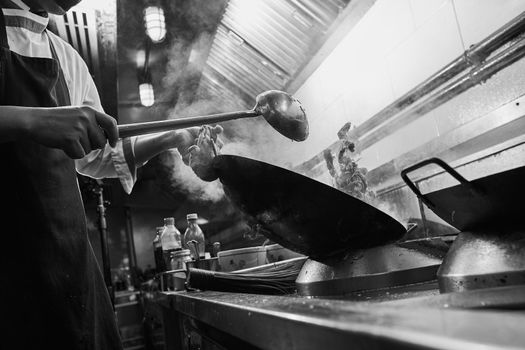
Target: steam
x=256, y=139
x=182, y=179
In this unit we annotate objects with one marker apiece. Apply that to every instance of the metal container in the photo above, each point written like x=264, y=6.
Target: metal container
x=211, y=264
x=173, y=280
x=179, y=259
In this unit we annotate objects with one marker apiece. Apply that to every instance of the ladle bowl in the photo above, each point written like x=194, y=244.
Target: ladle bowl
x=282, y=111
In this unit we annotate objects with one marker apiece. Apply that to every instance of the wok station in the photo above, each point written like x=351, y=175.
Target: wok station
x=378, y=146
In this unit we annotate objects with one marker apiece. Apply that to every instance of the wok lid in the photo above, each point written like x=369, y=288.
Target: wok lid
x=300, y=213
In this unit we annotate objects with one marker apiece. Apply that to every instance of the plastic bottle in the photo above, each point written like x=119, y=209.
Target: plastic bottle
x=160, y=265
x=194, y=232
x=170, y=239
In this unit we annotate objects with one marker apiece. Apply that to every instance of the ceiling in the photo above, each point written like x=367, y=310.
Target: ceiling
x=261, y=45
x=217, y=56
x=227, y=51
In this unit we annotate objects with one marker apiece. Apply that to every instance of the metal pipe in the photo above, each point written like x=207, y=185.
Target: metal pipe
x=475, y=55
x=446, y=93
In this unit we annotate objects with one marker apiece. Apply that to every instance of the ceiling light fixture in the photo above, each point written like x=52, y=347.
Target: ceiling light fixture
x=146, y=93
x=155, y=23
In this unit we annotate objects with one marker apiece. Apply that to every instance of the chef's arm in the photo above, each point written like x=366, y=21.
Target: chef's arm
x=131, y=153
x=148, y=146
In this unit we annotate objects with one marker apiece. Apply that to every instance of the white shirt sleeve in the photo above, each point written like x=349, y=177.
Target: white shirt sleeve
x=107, y=162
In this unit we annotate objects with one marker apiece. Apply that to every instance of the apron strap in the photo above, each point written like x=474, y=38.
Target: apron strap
x=61, y=91
x=3, y=33
x=52, y=47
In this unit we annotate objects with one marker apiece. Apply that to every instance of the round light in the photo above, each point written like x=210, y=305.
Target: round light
x=147, y=96
x=155, y=23
x=140, y=58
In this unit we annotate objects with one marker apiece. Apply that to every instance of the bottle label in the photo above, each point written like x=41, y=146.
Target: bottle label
x=170, y=245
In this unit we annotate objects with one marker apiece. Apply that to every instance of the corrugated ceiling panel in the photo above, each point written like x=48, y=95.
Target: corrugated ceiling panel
x=269, y=26
x=261, y=44
x=212, y=85
x=246, y=67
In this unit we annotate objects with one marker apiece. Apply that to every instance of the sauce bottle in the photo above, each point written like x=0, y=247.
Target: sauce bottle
x=170, y=239
x=160, y=266
x=194, y=232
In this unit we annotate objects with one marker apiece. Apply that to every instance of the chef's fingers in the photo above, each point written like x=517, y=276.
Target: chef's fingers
x=194, y=131
x=75, y=150
x=96, y=137
x=219, y=143
x=193, y=149
x=85, y=143
x=186, y=159
x=189, y=153
x=217, y=129
x=109, y=125
x=215, y=132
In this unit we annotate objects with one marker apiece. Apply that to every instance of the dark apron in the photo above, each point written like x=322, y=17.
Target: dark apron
x=53, y=294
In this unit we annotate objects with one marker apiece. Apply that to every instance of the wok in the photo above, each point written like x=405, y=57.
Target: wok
x=302, y=214
x=488, y=202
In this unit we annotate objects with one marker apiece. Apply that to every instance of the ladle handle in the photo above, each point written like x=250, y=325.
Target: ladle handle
x=127, y=130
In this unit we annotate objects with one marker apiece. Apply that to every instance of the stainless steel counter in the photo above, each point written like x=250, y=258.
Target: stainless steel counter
x=416, y=319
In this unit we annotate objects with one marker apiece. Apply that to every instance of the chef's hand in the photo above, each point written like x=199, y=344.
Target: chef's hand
x=186, y=140
x=75, y=130
x=205, y=149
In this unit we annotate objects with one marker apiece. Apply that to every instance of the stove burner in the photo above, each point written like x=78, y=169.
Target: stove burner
x=373, y=268
x=482, y=260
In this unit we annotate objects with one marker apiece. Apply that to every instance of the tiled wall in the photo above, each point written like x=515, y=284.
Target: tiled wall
x=397, y=45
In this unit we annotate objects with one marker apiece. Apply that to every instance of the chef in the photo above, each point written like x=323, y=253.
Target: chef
x=51, y=126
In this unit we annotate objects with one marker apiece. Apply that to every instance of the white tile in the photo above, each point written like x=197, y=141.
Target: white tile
x=368, y=158
x=424, y=10
x=332, y=119
x=479, y=18
x=386, y=25
x=312, y=97
x=368, y=91
x=406, y=139
x=430, y=48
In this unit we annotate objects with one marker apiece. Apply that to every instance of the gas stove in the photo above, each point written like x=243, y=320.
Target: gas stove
x=484, y=266
x=374, y=289
x=385, y=266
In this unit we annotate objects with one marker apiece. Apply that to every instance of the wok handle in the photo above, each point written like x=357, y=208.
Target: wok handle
x=419, y=165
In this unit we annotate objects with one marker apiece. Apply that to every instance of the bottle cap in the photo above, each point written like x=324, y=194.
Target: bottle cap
x=169, y=221
x=192, y=216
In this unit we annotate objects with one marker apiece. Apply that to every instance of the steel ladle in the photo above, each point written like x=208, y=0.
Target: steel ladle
x=280, y=109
